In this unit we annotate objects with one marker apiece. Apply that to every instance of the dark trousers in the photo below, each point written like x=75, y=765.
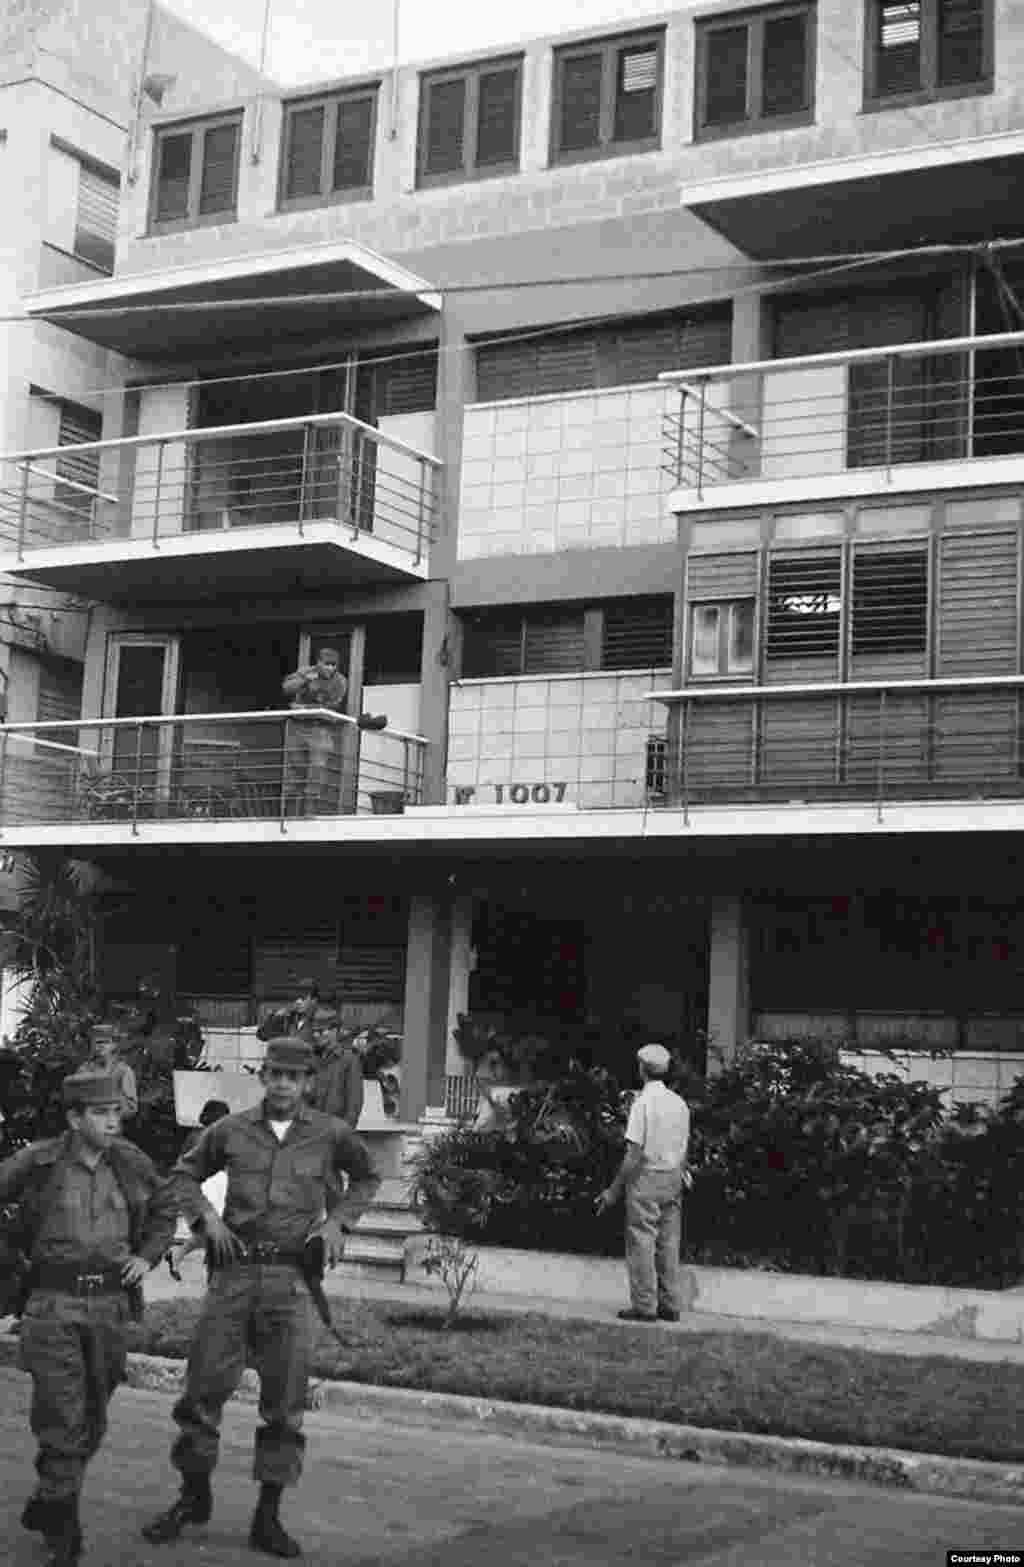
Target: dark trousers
x=261, y=1315
x=74, y=1351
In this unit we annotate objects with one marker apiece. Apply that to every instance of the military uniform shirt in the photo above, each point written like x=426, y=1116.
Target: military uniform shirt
x=85, y=1218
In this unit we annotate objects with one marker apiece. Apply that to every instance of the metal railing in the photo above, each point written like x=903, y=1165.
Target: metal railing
x=278, y=765
x=858, y=741
x=286, y=472
x=951, y=399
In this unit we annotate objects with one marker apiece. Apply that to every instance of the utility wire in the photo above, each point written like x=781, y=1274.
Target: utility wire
x=835, y=264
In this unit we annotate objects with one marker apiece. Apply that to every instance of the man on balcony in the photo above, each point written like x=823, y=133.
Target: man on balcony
x=312, y=750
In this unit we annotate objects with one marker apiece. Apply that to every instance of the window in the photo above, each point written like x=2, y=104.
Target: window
x=607, y=97
x=622, y=353
x=82, y=200
x=755, y=71
x=469, y=122
x=803, y=607
x=722, y=638
x=637, y=633
x=919, y=49
x=327, y=148
x=195, y=173
x=890, y=601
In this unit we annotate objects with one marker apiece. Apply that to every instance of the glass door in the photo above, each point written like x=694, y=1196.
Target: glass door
x=142, y=683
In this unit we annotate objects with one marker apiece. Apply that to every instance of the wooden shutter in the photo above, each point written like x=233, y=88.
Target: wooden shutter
x=961, y=41
x=553, y=642
x=721, y=577
x=803, y=605
x=371, y=974
x=444, y=139
x=898, y=56
x=96, y=226
x=77, y=426
x=497, y=125
x=174, y=173
x=220, y=167
x=725, y=75
x=579, y=114
x=304, y=151
x=889, y=611
x=60, y=694
x=636, y=93
x=637, y=633
x=406, y=384
x=785, y=70
x=492, y=645
x=353, y=144
x=977, y=603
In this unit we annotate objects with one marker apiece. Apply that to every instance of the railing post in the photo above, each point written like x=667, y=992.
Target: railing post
x=880, y=771
x=157, y=484
x=138, y=780
x=23, y=509
x=684, y=742
x=701, y=410
x=307, y=431
x=890, y=400
x=681, y=435
x=421, y=507
x=3, y=780
x=357, y=479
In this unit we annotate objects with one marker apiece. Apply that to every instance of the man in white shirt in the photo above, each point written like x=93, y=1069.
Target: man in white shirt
x=652, y=1173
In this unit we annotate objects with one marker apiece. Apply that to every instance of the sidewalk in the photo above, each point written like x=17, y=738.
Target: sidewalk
x=160, y=1286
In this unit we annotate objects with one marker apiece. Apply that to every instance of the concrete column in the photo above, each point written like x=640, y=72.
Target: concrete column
x=728, y=979
x=750, y=341
x=427, y=987
x=458, y=979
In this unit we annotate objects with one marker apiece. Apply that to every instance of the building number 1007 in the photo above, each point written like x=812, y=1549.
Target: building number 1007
x=515, y=794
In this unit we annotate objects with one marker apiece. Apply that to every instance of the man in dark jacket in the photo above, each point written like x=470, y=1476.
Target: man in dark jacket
x=284, y=1162
x=338, y=1089
x=95, y=1218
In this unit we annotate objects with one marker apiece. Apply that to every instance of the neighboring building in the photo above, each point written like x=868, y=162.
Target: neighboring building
x=629, y=487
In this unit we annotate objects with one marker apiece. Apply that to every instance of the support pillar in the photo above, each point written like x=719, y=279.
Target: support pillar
x=427, y=989
x=458, y=981
x=728, y=980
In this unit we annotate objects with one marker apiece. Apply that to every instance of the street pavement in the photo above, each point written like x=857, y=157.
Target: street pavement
x=376, y=1494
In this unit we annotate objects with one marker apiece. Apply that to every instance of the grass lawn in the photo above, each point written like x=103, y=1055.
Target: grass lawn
x=741, y=1381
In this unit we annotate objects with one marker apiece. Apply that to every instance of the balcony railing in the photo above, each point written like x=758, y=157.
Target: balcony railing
x=285, y=473
x=873, y=412
x=205, y=767
x=857, y=741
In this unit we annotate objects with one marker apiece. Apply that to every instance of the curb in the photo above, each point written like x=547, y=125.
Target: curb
x=925, y=1473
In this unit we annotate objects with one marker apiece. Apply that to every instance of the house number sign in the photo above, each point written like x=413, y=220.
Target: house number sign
x=514, y=794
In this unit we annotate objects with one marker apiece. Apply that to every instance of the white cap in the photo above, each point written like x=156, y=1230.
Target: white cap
x=655, y=1058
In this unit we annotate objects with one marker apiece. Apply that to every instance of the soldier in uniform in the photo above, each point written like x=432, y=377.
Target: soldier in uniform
x=95, y=1218
x=284, y=1199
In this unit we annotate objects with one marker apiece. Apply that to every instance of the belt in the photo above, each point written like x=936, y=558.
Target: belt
x=70, y=1278
x=264, y=1254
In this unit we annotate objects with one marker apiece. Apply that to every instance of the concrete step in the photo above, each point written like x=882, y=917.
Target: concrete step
x=389, y=1221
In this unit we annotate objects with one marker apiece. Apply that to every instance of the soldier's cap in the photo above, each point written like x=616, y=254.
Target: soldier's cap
x=655, y=1058
x=290, y=1053
x=91, y=1088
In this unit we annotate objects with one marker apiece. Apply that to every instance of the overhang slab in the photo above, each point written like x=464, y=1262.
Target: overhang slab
x=180, y=313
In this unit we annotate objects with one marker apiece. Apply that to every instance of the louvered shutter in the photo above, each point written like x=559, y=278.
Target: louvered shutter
x=961, y=41
x=497, y=128
x=78, y=426
x=353, y=144
x=492, y=645
x=784, y=65
x=220, y=167
x=803, y=605
x=636, y=97
x=637, y=634
x=553, y=642
x=174, y=172
x=96, y=227
x=504, y=370
x=579, y=120
x=60, y=694
x=446, y=126
x=304, y=151
x=725, y=75
x=406, y=385
x=898, y=62
x=890, y=599
x=371, y=975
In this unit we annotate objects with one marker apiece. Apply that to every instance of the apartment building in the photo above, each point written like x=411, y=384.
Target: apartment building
x=639, y=415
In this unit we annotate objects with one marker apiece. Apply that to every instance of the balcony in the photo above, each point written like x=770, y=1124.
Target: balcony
x=197, y=513
x=244, y=768
x=859, y=742
x=911, y=418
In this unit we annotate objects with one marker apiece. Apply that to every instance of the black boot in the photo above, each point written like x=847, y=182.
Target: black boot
x=267, y=1533
x=62, y=1532
x=194, y=1505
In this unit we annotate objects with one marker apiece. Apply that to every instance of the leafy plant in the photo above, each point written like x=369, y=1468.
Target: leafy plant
x=456, y=1265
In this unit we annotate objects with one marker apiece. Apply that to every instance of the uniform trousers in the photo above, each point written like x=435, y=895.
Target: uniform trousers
x=261, y=1315
x=73, y=1348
